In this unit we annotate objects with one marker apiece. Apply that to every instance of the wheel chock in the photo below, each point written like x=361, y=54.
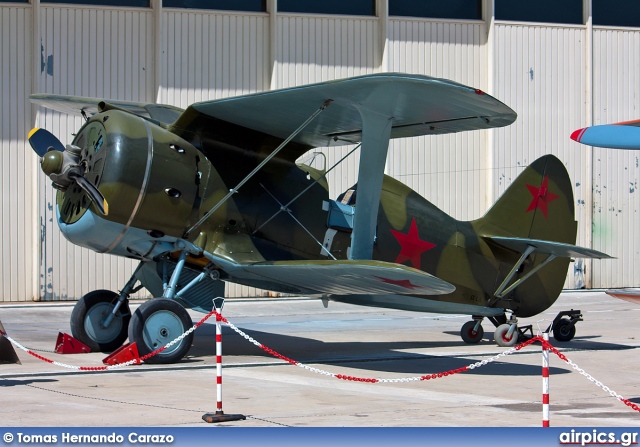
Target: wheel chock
x=123, y=354
x=7, y=353
x=66, y=344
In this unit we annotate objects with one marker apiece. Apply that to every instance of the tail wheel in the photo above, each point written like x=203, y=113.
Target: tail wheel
x=501, y=336
x=88, y=316
x=564, y=330
x=156, y=323
x=469, y=335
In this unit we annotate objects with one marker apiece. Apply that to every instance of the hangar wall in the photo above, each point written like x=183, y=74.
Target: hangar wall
x=557, y=77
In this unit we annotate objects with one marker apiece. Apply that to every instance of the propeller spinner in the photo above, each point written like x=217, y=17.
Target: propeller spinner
x=64, y=166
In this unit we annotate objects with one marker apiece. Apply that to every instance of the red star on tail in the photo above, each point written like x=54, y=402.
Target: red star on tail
x=411, y=245
x=541, y=197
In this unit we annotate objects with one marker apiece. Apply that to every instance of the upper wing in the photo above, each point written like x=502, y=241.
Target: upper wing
x=557, y=249
x=340, y=278
x=419, y=105
x=625, y=135
x=78, y=104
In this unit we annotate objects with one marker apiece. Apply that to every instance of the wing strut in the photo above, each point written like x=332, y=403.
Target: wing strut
x=257, y=168
x=503, y=289
x=376, y=131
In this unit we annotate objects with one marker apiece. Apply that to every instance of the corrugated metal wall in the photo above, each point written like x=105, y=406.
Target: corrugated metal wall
x=96, y=52
x=17, y=164
x=616, y=198
x=182, y=56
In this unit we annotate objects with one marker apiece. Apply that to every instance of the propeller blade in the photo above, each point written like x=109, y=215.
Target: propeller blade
x=41, y=140
x=93, y=192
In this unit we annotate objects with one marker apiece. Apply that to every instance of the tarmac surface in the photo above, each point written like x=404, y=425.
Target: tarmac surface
x=342, y=339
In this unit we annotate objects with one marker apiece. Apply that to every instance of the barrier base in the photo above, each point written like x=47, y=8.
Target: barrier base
x=7, y=353
x=219, y=416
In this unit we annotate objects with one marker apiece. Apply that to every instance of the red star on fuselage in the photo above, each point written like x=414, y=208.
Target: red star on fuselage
x=541, y=197
x=411, y=245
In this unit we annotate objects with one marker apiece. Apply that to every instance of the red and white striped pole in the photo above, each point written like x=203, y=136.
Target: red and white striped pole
x=219, y=361
x=219, y=415
x=545, y=380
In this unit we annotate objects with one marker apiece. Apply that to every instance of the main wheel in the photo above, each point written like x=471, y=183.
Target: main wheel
x=564, y=330
x=157, y=322
x=88, y=315
x=469, y=335
x=500, y=336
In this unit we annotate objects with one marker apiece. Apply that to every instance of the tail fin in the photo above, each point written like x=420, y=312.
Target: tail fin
x=537, y=205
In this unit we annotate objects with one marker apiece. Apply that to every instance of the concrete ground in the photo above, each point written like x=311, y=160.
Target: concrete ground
x=343, y=339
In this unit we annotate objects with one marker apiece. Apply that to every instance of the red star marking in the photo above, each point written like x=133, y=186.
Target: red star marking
x=399, y=282
x=541, y=197
x=411, y=245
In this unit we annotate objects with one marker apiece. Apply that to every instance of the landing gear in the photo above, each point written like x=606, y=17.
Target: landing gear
x=156, y=323
x=564, y=330
x=100, y=318
x=472, y=331
x=564, y=325
x=506, y=335
x=94, y=323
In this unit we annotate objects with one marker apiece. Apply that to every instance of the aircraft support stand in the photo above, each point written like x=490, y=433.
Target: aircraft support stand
x=219, y=415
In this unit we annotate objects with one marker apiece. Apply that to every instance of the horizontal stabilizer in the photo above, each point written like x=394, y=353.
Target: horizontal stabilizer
x=75, y=105
x=557, y=249
x=346, y=277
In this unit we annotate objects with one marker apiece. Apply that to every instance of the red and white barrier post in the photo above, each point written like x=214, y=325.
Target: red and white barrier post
x=219, y=415
x=545, y=380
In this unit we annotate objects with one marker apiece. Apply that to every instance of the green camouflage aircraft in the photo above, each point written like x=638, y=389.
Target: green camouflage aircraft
x=213, y=194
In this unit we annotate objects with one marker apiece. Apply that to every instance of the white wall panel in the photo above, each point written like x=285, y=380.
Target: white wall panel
x=320, y=48
x=540, y=73
x=448, y=170
x=208, y=55
x=616, y=198
x=17, y=162
x=94, y=52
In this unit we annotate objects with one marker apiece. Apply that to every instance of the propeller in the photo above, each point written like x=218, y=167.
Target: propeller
x=64, y=166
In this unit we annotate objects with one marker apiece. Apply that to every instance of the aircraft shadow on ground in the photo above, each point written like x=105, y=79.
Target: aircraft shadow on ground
x=370, y=355
x=585, y=342
x=19, y=382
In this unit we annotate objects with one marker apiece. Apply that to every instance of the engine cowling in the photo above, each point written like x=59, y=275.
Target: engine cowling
x=153, y=181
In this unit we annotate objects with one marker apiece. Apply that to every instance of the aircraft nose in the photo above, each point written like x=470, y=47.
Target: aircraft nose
x=577, y=134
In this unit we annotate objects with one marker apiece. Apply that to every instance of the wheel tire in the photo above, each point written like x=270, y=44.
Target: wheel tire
x=157, y=322
x=87, y=314
x=564, y=330
x=467, y=334
x=500, y=336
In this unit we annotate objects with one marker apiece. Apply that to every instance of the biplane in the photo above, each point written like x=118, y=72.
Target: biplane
x=213, y=194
